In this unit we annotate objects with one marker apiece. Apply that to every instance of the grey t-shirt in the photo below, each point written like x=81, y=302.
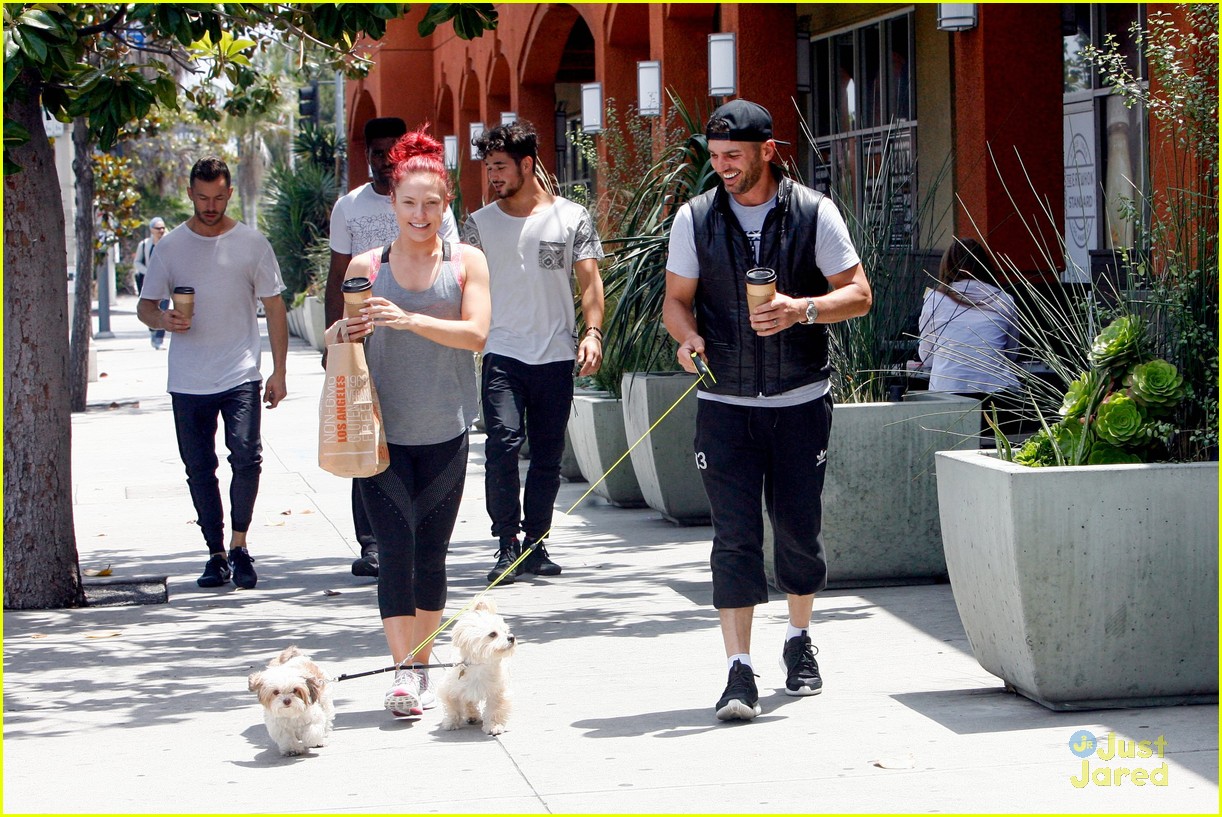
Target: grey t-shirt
x=530, y=271
x=230, y=273
x=426, y=390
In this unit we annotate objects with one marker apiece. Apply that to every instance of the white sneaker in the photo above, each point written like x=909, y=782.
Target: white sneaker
x=403, y=697
x=428, y=699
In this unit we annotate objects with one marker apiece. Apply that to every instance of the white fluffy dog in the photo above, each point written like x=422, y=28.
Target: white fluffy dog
x=481, y=675
x=296, y=699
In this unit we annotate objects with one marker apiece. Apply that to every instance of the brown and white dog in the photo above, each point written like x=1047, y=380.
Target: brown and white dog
x=296, y=699
x=484, y=645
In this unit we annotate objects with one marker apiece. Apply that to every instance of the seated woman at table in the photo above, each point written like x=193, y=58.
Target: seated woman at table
x=969, y=327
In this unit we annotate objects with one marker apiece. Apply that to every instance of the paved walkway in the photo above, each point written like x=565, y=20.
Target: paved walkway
x=145, y=709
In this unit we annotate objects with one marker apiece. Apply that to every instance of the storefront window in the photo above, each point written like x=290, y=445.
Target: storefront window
x=862, y=112
x=1106, y=145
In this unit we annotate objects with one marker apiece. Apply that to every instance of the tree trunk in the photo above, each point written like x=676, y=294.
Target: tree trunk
x=40, y=559
x=82, y=318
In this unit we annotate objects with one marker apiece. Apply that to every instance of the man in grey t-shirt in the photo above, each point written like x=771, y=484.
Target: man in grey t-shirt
x=535, y=243
x=214, y=358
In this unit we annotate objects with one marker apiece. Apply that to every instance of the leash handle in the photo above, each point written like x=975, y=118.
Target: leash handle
x=702, y=368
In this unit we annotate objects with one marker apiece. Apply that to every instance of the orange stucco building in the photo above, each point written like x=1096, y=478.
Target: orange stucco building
x=995, y=129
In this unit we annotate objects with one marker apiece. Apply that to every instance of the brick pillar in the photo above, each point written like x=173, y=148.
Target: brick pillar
x=767, y=60
x=1008, y=100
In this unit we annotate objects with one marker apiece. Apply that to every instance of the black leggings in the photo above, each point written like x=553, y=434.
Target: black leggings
x=412, y=507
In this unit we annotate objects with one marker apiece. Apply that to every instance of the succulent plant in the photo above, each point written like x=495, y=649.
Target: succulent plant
x=1071, y=439
x=1118, y=344
x=1119, y=419
x=1036, y=451
x=1157, y=386
x=1102, y=453
x=1077, y=398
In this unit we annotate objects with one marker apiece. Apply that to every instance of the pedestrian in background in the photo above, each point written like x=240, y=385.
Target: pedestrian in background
x=535, y=243
x=214, y=358
x=144, y=254
x=361, y=220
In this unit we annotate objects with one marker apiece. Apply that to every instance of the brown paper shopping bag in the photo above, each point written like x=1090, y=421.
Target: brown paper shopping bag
x=351, y=440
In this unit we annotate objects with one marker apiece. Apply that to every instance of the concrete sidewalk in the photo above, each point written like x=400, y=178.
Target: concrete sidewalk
x=145, y=709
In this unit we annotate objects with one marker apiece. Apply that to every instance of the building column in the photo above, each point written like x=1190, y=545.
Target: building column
x=767, y=60
x=1008, y=112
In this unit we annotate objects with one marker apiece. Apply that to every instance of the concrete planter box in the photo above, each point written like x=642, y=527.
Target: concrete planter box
x=880, y=494
x=596, y=427
x=570, y=469
x=296, y=327
x=315, y=322
x=665, y=461
x=1087, y=587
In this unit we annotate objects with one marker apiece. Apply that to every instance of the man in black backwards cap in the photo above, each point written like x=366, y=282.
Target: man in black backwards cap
x=762, y=428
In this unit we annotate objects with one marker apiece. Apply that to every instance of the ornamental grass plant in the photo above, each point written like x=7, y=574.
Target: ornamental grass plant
x=1145, y=388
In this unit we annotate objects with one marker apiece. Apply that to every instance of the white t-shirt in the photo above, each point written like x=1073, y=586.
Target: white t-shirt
x=362, y=220
x=969, y=347
x=834, y=254
x=230, y=273
x=530, y=270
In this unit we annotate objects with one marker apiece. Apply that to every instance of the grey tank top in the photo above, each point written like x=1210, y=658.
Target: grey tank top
x=427, y=391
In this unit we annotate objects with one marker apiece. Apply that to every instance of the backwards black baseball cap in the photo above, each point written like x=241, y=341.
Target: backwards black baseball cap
x=385, y=127
x=741, y=121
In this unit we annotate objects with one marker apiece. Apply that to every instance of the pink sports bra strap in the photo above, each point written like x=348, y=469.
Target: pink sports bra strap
x=375, y=263
x=460, y=273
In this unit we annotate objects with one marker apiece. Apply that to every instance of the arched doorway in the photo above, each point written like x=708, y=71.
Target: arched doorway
x=559, y=55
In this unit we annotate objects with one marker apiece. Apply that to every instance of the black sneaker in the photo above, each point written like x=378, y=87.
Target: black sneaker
x=216, y=572
x=537, y=561
x=506, y=555
x=367, y=565
x=243, y=568
x=741, y=700
x=801, y=668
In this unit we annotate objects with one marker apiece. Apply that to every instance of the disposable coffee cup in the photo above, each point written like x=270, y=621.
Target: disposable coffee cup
x=184, y=301
x=761, y=287
x=355, y=290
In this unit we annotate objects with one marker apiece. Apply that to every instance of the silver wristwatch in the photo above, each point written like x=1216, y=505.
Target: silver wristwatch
x=812, y=311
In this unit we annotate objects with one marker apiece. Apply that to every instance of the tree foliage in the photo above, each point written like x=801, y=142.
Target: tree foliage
x=81, y=58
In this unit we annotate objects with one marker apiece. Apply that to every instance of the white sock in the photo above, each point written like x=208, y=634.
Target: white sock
x=793, y=632
x=743, y=658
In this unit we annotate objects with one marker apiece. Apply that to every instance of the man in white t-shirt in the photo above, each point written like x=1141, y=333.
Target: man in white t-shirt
x=762, y=429
x=214, y=358
x=361, y=221
x=535, y=243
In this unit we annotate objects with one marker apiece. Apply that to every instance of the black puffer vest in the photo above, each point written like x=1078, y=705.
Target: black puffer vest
x=744, y=363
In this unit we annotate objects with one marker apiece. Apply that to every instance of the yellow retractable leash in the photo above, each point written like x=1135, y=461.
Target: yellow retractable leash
x=702, y=369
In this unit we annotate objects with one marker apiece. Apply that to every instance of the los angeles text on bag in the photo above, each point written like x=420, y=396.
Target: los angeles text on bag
x=351, y=440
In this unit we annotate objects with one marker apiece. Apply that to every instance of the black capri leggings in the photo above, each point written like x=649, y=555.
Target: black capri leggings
x=413, y=506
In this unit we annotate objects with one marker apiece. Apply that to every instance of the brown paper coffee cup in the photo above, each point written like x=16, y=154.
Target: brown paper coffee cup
x=761, y=287
x=355, y=291
x=184, y=301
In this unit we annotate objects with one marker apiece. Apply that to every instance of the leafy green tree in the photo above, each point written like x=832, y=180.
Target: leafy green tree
x=80, y=61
